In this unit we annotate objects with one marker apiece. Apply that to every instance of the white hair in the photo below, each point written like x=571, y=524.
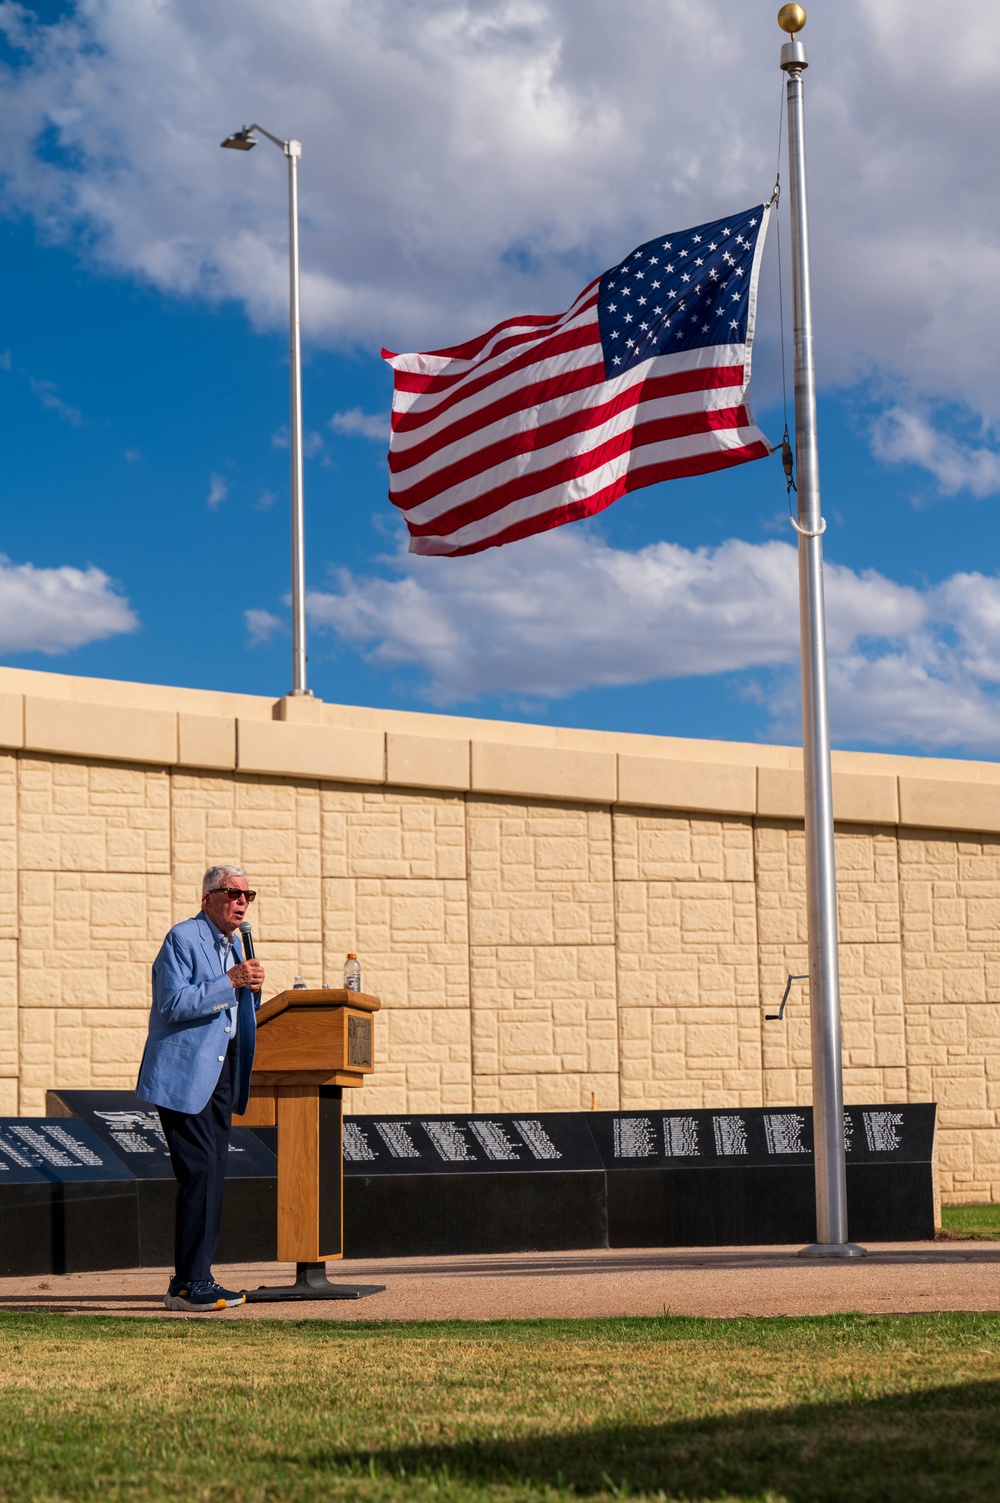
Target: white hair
x=217, y=874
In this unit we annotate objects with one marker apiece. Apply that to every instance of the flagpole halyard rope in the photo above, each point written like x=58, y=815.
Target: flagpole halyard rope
x=787, y=457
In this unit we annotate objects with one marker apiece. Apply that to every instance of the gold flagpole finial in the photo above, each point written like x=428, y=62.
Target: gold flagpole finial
x=791, y=18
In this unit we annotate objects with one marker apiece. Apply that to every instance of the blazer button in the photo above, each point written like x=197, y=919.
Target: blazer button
x=221, y=1058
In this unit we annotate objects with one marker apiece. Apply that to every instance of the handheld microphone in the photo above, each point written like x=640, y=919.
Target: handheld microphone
x=246, y=934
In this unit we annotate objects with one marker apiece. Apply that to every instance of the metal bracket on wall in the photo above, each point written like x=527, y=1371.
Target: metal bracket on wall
x=777, y=1017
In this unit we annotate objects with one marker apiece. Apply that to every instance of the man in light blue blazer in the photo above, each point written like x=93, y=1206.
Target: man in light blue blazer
x=196, y=1070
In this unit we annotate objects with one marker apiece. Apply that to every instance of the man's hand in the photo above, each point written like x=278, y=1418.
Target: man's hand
x=248, y=973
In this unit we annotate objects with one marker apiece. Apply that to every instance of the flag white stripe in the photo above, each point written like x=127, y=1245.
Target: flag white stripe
x=504, y=386
x=712, y=400
x=432, y=364
x=578, y=489
x=712, y=356
x=493, y=370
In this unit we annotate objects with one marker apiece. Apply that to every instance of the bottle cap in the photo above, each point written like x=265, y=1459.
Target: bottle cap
x=351, y=955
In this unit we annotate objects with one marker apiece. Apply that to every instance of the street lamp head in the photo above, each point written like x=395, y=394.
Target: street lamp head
x=241, y=140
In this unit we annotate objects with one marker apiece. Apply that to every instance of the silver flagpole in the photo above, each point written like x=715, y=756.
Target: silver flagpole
x=821, y=881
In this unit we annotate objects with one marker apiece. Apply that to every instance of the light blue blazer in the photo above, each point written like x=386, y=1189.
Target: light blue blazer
x=191, y=1020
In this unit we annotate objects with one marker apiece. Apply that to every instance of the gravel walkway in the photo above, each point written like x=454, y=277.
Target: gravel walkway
x=894, y=1278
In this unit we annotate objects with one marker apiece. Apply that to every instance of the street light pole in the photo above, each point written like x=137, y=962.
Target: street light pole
x=243, y=140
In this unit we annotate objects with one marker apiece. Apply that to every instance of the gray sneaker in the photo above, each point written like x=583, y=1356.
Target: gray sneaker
x=201, y=1296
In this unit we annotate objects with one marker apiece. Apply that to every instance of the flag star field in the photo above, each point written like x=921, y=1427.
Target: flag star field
x=680, y=292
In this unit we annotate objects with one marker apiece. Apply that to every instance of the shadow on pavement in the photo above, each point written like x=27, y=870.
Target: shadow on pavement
x=664, y=1260
x=54, y=1303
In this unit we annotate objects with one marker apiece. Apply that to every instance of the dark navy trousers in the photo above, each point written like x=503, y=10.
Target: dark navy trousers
x=199, y=1144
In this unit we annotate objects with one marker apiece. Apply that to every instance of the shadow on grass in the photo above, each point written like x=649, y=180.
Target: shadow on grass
x=937, y=1443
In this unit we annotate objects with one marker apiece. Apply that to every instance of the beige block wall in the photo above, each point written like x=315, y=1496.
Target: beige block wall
x=553, y=919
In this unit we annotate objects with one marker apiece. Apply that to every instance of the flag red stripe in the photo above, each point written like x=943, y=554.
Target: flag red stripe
x=571, y=467
x=472, y=348
x=539, y=393
x=495, y=458
x=456, y=388
x=634, y=480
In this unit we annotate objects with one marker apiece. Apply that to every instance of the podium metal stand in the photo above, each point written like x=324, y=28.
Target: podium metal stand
x=310, y=1046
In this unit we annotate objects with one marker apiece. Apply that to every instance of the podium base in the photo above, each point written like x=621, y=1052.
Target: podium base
x=311, y=1282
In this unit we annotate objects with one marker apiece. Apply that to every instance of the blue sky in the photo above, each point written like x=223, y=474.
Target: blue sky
x=464, y=162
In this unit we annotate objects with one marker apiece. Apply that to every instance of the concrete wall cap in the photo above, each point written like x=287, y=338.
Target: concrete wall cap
x=12, y=720
x=310, y=751
x=299, y=709
x=106, y=732
x=544, y=772
x=939, y=804
x=427, y=762
x=858, y=798
x=206, y=741
x=665, y=783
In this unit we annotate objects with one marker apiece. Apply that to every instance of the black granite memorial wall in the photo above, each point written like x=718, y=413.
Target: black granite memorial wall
x=67, y=1205
x=131, y=1130
x=420, y=1185
x=95, y=1189
x=745, y=1176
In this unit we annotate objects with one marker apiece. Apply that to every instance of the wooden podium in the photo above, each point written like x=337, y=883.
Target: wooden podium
x=310, y=1045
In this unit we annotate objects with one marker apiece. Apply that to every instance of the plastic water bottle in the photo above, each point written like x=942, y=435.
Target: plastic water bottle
x=352, y=974
x=298, y=985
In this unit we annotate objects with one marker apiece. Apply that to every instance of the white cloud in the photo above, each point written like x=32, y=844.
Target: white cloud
x=261, y=627
x=312, y=442
x=47, y=393
x=55, y=610
x=218, y=490
x=570, y=613
x=904, y=437
x=465, y=159
x=373, y=425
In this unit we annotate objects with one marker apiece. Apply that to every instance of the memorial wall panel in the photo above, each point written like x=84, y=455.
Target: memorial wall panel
x=131, y=1130
x=424, y=1185
x=745, y=1176
x=67, y=1205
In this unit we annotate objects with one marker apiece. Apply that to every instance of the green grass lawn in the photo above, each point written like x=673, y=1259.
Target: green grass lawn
x=826, y=1410
x=981, y=1222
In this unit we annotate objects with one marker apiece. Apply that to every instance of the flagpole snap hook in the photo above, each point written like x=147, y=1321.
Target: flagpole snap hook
x=805, y=532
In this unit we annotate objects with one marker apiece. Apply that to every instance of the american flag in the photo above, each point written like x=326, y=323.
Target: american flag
x=544, y=420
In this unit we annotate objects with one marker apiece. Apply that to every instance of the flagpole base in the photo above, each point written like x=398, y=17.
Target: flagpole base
x=833, y=1250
